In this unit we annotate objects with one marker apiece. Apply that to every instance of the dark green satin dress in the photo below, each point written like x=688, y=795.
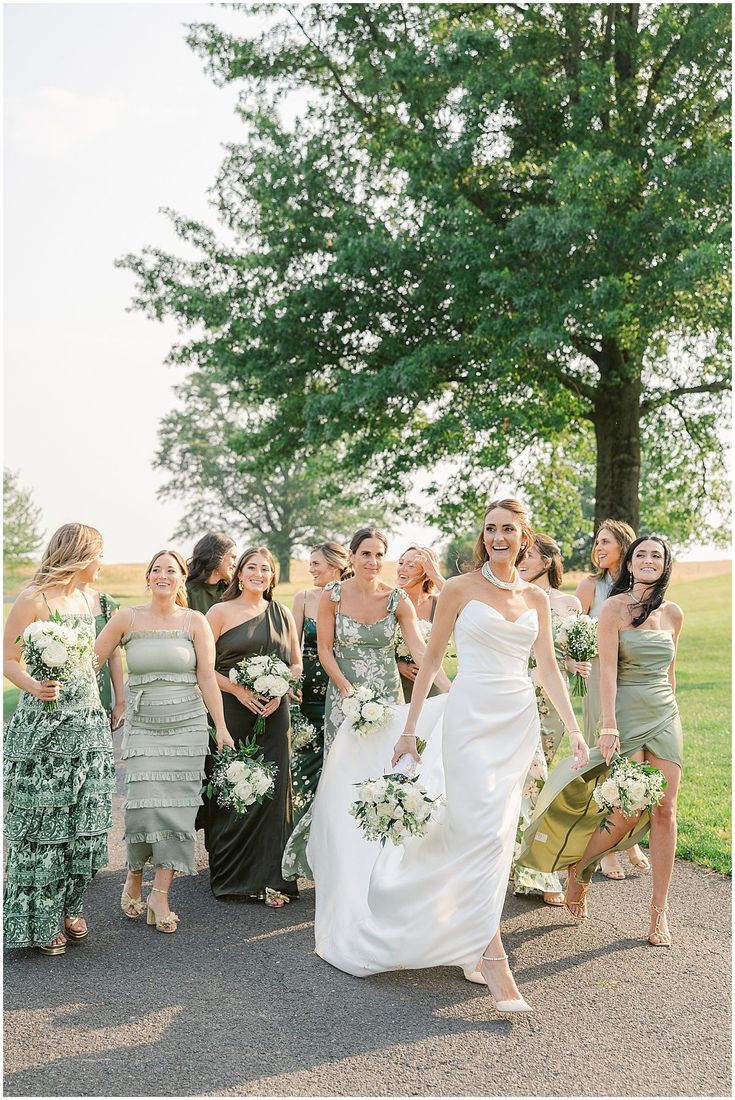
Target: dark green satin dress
x=648, y=718
x=104, y=681
x=306, y=763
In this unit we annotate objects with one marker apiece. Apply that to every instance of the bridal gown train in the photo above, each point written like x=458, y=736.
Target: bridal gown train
x=437, y=899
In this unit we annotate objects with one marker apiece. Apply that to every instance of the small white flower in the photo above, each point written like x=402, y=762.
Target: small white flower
x=261, y=685
x=372, y=712
x=236, y=770
x=363, y=694
x=233, y=675
x=610, y=792
x=278, y=686
x=34, y=631
x=637, y=791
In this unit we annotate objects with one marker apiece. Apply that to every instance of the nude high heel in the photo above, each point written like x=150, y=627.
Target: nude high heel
x=517, y=1006
x=663, y=939
x=163, y=924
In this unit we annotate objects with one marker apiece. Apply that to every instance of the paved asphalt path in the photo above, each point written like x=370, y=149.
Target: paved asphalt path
x=236, y=1004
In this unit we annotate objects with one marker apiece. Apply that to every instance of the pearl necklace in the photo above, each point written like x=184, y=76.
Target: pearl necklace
x=508, y=586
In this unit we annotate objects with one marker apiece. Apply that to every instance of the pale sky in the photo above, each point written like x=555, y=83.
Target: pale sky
x=108, y=116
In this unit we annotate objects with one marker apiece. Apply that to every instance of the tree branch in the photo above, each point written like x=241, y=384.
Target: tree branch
x=576, y=386
x=670, y=396
x=364, y=114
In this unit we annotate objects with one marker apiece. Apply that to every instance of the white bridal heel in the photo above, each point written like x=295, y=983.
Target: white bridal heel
x=516, y=1007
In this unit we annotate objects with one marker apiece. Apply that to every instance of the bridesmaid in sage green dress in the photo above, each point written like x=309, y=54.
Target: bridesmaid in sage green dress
x=638, y=636
x=357, y=647
x=612, y=541
x=170, y=652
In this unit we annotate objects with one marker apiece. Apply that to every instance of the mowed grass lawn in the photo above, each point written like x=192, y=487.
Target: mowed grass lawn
x=703, y=692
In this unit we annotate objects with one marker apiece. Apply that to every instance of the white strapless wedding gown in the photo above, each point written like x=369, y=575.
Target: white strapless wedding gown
x=437, y=900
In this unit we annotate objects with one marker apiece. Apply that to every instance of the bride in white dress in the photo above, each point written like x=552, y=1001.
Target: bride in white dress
x=437, y=899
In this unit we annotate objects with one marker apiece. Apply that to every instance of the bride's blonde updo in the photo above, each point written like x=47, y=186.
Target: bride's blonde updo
x=70, y=550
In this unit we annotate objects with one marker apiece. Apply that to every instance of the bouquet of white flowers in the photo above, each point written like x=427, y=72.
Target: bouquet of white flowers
x=366, y=710
x=55, y=650
x=302, y=731
x=240, y=778
x=393, y=807
x=576, y=636
x=629, y=787
x=266, y=675
x=403, y=653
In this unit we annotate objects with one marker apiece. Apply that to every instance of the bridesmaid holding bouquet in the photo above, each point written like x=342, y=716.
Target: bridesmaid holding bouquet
x=245, y=851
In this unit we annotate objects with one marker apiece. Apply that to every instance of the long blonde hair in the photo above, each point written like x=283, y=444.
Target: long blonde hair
x=623, y=534
x=181, y=600
x=70, y=549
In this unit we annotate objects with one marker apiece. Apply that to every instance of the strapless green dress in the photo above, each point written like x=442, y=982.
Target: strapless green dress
x=648, y=718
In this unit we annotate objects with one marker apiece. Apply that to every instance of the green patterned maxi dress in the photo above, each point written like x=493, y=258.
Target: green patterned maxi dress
x=59, y=777
x=366, y=654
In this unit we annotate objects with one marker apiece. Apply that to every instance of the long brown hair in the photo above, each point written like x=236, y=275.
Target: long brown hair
x=70, y=549
x=367, y=533
x=208, y=552
x=550, y=552
x=623, y=534
x=181, y=599
x=233, y=588
x=519, y=510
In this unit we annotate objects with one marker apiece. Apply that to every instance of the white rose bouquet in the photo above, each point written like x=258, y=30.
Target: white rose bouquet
x=367, y=712
x=629, y=787
x=267, y=676
x=403, y=653
x=302, y=731
x=241, y=778
x=55, y=650
x=576, y=636
x=393, y=807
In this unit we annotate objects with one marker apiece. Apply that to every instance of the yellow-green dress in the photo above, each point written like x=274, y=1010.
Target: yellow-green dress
x=648, y=718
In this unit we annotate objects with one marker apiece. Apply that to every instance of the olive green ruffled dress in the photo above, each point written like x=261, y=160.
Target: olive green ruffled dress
x=59, y=776
x=164, y=745
x=648, y=718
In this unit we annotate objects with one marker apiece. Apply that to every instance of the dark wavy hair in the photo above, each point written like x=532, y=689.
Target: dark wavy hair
x=233, y=588
x=624, y=583
x=208, y=552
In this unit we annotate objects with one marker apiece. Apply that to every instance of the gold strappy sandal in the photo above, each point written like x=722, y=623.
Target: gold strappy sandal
x=273, y=897
x=663, y=938
x=581, y=901
x=70, y=932
x=136, y=904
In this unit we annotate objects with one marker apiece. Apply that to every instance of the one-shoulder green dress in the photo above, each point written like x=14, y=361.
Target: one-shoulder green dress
x=164, y=746
x=648, y=718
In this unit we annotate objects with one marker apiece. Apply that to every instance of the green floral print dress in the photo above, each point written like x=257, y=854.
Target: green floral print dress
x=59, y=776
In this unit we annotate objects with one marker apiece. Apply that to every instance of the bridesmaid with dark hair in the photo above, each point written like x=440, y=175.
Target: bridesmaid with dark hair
x=638, y=637
x=211, y=567
x=245, y=850
x=329, y=561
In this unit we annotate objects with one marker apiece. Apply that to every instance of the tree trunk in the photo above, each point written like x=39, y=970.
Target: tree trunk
x=284, y=566
x=618, y=435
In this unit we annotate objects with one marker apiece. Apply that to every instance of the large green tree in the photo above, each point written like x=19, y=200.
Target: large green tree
x=491, y=225
x=22, y=531
x=206, y=449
